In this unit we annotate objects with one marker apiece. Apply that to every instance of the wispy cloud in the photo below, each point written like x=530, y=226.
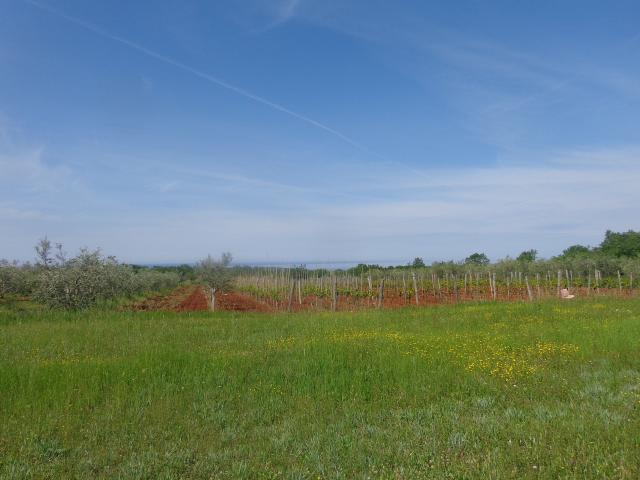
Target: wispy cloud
x=283, y=11
x=27, y=171
x=11, y=213
x=545, y=74
x=573, y=196
x=241, y=180
x=498, y=61
x=199, y=73
x=510, y=81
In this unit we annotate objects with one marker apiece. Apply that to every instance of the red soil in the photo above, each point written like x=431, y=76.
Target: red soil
x=168, y=302
x=394, y=299
x=239, y=302
x=195, y=302
x=193, y=299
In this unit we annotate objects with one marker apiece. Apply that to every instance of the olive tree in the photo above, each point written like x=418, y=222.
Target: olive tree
x=90, y=277
x=9, y=278
x=215, y=274
x=80, y=283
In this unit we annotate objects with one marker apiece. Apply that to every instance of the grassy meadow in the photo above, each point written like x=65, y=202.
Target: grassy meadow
x=521, y=390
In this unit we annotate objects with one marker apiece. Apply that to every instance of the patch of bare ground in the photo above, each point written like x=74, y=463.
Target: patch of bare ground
x=192, y=298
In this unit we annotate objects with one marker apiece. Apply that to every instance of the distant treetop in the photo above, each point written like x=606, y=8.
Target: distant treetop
x=528, y=256
x=477, y=259
x=625, y=244
x=418, y=263
x=576, y=250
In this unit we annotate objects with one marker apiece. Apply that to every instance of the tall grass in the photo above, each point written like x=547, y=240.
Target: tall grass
x=548, y=390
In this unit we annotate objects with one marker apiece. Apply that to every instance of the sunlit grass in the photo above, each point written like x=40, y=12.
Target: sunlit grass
x=481, y=390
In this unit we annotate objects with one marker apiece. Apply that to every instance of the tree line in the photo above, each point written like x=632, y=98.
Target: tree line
x=618, y=252
x=58, y=281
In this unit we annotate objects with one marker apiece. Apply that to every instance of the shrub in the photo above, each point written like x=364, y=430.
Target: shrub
x=9, y=278
x=90, y=278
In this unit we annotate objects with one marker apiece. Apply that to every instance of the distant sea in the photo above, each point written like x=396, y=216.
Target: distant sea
x=336, y=265
x=328, y=265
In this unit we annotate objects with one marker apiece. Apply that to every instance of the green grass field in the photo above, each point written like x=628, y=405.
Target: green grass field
x=547, y=390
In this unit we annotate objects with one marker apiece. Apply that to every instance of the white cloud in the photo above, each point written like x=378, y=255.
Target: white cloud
x=11, y=213
x=561, y=199
x=26, y=170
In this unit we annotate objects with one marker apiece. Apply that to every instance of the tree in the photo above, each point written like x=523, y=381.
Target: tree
x=617, y=244
x=418, y=263
x=528, y=256
x=90, y=278
x=81, y=283
x=215, y=274
x=477, y=259
x=575, y=251
x=44, y=253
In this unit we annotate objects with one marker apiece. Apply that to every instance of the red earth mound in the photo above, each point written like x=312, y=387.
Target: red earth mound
x=168, y=302
x=239, y=302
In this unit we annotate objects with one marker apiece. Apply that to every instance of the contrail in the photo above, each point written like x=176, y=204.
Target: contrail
x=198, y=73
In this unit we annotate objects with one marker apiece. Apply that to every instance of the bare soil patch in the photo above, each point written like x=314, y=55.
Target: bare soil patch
x=239, y=302
x=192, y=298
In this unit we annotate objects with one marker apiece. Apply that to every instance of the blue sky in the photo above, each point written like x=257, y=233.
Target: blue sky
x=308, y=130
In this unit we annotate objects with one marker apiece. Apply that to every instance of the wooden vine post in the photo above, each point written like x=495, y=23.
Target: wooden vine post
x=381, y=294
x=404, y=288
x=293, y=284
x=415, y=287
x=529, y=292
x=455, y=287
x=334, y=294
x=619, y=283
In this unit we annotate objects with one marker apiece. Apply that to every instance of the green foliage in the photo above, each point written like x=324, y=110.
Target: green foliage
x=215, y=273
x=298, y=272
x=10, y=278
x=528, y=256
x=186, y=272
x=575, y=251
x=418, y=263
x=444, y=268
x=363, y=268
x=477, y=259
x=625, y=244
x=90, y=278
